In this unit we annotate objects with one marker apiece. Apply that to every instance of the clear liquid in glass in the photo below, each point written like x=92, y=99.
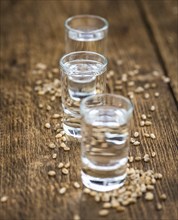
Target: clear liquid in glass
x=82, y=80
x=104, y=148
x=95, y=42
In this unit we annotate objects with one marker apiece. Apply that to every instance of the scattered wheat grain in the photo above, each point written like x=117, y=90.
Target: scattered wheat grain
x=152, y=136
x=149, y=196
x=60, y=165
x=136, y=134
x=62, y=190
x=103, y=212
x=65, y=171
x=47, y=125
x=4, y=199
x=51, y=173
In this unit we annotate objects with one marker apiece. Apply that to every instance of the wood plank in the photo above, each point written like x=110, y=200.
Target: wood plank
x=161, y=17
x=32, y=32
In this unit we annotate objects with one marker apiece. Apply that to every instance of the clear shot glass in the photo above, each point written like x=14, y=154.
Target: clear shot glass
x=86, y=33
x=83, y=74
x=105, y=131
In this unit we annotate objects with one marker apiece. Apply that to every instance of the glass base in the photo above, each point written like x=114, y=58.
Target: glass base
x=103, y=184
x=72, y=131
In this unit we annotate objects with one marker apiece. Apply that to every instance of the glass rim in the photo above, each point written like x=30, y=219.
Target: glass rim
x=127, y=100
x=105, y=26
x=84, y=52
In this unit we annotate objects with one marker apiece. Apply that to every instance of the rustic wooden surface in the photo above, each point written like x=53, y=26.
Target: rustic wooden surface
x=163, y=33
x=141, y=32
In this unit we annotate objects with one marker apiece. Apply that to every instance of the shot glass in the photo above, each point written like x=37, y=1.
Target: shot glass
x=105, y=131
x=83, y=74
x=86, y=33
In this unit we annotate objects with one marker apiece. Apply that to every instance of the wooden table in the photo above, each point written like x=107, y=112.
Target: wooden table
x=143, y=37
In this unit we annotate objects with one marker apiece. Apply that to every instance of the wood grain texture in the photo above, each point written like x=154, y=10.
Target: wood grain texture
x=33, y=32
x=162, y=18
